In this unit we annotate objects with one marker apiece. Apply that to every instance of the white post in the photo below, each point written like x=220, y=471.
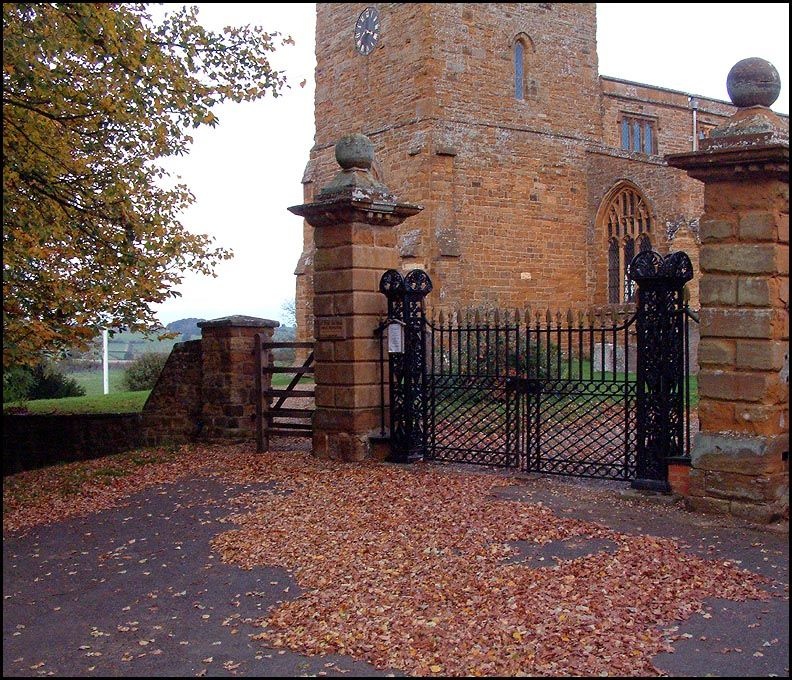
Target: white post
x=105, y=371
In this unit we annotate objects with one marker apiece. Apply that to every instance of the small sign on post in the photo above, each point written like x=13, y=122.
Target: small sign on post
x=395, y=336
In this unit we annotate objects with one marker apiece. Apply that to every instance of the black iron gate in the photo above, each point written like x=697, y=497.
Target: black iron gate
x=601, y=394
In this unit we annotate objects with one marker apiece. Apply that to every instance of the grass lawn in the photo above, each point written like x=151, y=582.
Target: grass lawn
x=93, y=381
x=119, y=402
x=283, y=380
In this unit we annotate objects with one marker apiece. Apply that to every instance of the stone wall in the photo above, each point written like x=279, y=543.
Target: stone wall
x=675, y=201
x=670, y=108
x=34, y=441
x=173, y=410
x=511, y=188
x=206, y=391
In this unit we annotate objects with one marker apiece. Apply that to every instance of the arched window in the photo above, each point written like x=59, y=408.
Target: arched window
x=627, y=224
x=519, y=70
x=523, y=49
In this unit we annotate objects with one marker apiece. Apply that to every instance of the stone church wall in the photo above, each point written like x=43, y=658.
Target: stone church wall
x=511, y=188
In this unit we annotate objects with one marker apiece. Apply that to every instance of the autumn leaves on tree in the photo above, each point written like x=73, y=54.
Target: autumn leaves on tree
x=93, y=96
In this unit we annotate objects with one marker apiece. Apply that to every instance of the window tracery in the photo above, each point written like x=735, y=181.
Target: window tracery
x=628, y=225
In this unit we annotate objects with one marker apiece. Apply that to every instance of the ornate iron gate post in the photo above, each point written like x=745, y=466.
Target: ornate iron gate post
x=661, y=369
x=409, y=396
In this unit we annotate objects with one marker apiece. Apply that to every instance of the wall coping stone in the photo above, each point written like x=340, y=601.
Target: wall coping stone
x=238, y=320
x=63, y=417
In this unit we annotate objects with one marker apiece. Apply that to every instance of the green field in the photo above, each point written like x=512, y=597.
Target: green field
x=118, y=401
x=93, y=381
x=121, y=402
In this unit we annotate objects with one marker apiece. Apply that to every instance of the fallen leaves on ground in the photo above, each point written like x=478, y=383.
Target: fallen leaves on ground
x=408, y=567
x=58, y=492
x=405, y=568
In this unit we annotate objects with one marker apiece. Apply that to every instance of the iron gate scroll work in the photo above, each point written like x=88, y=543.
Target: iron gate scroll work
x=407, y=375
x=662, y=366
x=600, y=394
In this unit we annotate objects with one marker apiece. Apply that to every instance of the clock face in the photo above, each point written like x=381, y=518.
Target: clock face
x=367, y=30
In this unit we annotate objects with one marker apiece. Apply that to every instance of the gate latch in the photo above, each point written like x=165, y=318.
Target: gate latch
x=524, y=385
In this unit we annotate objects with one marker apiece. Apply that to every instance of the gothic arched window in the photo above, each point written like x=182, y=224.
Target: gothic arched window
x=627, y=223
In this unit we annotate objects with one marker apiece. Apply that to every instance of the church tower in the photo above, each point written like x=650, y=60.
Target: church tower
x=469, y=108
x=540, y=178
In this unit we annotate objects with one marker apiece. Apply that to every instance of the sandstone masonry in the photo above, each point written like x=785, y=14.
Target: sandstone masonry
x=517, y=192
x=207, y=389
x=740, y=461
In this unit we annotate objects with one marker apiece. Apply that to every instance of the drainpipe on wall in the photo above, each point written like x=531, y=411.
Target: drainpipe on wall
x=694, y=106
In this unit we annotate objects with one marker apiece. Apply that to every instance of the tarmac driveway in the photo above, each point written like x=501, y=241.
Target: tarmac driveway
x=137, y=590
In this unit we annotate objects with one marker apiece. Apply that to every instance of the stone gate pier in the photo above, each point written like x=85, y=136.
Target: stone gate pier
x=740, y=460
x=355, y=219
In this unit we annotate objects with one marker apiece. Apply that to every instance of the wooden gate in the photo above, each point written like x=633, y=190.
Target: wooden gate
x=276, y=413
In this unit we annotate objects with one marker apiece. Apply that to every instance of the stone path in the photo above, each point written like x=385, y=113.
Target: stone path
x=136, y=591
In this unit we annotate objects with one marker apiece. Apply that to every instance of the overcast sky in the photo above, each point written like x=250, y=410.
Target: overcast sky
x=246, y=172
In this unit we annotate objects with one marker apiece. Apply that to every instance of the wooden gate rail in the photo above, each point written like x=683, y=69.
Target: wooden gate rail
x=267, y=413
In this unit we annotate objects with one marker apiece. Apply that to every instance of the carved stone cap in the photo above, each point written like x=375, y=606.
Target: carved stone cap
x=354, y=151
x=754, y=142
x=355, y=154
x=753, y=85
x=239, y=320
x=346, y=210
x=354, y=195
x=749, y=127
x=747, y=163
x=753, y=82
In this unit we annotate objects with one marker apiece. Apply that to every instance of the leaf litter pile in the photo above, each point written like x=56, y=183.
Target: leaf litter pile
x=412, y=569
x=74, y=489
x=407, y=569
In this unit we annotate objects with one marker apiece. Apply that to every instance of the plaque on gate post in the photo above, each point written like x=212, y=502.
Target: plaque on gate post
x=395, y=330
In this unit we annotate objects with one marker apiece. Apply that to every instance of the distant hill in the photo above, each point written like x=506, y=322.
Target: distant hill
x=187, y=327
x=189, y=330
x=284, y=334
x=126, y=346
